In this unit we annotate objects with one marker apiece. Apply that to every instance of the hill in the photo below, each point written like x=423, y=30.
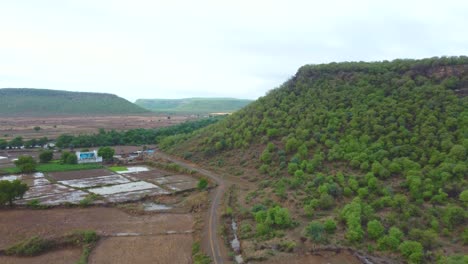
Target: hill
x=43, y=102
x=371, y=156
x=193, y=105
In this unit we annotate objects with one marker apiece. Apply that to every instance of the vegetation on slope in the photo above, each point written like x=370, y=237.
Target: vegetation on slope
x=381, y=148
x=43, y=102
x=193, y=105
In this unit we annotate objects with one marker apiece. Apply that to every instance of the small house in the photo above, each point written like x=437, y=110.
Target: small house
x=88, y=157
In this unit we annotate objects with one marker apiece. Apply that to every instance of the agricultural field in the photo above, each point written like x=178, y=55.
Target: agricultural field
x=100, y=186
x=52, y=127
x=144, y=209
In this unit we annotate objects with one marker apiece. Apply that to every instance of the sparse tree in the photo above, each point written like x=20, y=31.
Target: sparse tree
x=11, y=190
x=26, y=164
x=46, y=156
x=107, y=153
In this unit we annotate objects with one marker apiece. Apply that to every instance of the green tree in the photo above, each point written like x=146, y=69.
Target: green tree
x=464, y=197
x=375, y=229
x=64, y=156
x=107, y=153
x=16, y=142
x=3, y=144
x=26, y=164
x=315, y=230
x=11, y=190
x=330, y=226
x=412, y=250
x=71, y=159
x=46, y=156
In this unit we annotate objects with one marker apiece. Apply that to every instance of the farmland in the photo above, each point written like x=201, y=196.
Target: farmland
x=52, y=127
x=135, y=208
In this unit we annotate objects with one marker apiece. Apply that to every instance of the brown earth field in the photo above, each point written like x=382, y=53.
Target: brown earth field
x=52, y=127
x=125, y=237
x=174, y=248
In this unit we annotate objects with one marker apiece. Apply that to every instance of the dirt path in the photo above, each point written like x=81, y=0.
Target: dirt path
x=216, y=245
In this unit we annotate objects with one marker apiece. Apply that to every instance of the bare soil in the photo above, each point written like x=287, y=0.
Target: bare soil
x=72, y=175
x=342, y=258
x=17, y=225
x=52, y=127
x=63, y=256
x=163, y=249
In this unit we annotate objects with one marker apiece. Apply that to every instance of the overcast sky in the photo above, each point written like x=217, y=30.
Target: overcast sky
x=177, y=49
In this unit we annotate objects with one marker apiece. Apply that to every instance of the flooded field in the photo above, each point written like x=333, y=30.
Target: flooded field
x=71, y=187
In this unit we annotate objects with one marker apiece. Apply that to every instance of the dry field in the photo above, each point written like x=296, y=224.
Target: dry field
x=52, y=127
x=126, y=238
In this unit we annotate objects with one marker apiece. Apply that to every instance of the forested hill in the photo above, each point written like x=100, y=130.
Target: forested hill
x=43, y=102
x=380, y=148
x=193, y=105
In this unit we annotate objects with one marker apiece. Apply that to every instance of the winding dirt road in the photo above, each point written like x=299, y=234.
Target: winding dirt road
x=213, y=217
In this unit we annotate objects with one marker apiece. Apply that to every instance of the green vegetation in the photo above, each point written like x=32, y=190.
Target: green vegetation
x=29, y=247
x=382, y=147
x=11, y=190
x=26, y=164
x=36, y=245
x=164, y=136
x=46, y=156
x=193, y=105
x=198, y=257
x=68, y=158
x=43, y=102
x=18, y=142
x=107, y=153
x=202, y=184
x=117, y=168
x=89, y=199
x=271, y=219
x=54, y=167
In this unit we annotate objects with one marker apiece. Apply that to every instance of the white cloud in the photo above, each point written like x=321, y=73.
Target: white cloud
x=238, y=48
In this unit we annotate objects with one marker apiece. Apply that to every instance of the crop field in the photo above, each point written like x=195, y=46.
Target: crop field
x=52, y=127
x=72, y=187
x=132, y=237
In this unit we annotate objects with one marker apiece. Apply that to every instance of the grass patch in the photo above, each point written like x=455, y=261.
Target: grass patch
x=198, y=256
x=29, y=247
x=36, y=245
x=12, y=170
x=36, y=204
x=89, y=199
x=117, y=168
x=54, y=167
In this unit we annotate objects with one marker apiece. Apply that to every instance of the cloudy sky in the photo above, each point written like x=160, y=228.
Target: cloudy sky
x=178, y=49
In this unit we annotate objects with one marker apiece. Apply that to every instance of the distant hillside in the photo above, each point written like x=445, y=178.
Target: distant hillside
x=193, y=105
x=43, y=102
x=377, y=153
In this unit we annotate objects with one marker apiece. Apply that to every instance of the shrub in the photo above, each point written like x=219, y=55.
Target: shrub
x=11, y=190
x=46, y=156
x=375, y=229
x=330, y=226
x=412, y=250
x=202, y=184
x=326, y=201
x=315, y=230
x=26, y=164
x=28, y=247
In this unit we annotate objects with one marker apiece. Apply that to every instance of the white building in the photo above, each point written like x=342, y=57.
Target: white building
x=88, y=157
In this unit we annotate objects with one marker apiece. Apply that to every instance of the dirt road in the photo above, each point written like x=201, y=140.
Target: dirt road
x=211, y=229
